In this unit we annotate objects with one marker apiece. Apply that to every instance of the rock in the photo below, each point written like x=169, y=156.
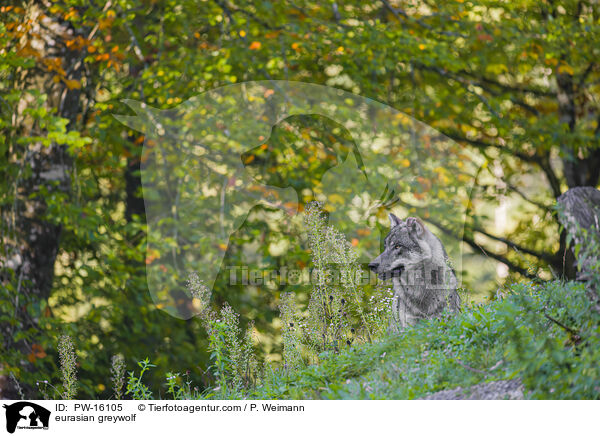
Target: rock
x=581, y=208
x=494, y=390
x=582, y=204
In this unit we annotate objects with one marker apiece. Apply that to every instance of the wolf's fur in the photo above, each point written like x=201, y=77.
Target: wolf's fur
x=416, y=261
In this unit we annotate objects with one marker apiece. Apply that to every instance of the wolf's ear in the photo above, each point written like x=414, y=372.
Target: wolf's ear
x=415, y=225
x=394, y=220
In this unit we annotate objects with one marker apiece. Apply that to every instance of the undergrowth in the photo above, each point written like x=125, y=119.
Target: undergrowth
x=546, y=334
x=503, y=339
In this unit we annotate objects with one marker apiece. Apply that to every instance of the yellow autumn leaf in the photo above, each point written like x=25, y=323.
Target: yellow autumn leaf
x=272, y=35
x=27, y=51
x=565, y=68
x=73, y=84
x=104, y=23
x=255, y=45
x=336, y=198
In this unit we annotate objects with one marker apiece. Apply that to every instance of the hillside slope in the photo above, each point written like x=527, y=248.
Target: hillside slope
x=543, y=335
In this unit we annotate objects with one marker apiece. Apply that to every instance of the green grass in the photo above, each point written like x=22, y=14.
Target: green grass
x=546, y=334
x=503, y=339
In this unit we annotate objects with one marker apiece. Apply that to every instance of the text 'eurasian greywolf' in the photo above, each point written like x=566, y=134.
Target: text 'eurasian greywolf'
x=416, y=261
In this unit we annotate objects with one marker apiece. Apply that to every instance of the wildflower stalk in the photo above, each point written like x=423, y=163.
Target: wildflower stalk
x=68, y=363
x=117, y=370
x=292, y=358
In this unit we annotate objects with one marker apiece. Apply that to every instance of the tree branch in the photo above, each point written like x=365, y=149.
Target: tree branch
x=542, y=161
x=479, y=143
x=572, y=331
x=468, y=82
x=496, y=256
x=509, y=88
x=544, y=164
x=544, y=256
x=400, y=13
x=471, y=241
x=527, y=199
x=230, y=10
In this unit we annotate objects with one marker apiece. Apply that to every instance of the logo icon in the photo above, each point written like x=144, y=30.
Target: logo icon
x=26, y=415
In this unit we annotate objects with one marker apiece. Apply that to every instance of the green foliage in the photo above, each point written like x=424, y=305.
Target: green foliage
x=546, y=334
x=502, y=339
x=338, y=312
x=328, y=327
x=135, y=387
x=180, y=389
x=378, y=309
x=234, y=366
x=515, y=81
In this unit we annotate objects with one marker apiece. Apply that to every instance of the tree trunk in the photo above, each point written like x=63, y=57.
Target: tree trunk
x=35, y=241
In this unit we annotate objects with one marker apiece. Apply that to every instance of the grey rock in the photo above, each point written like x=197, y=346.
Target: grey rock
x=581, y=208
x=494, y=390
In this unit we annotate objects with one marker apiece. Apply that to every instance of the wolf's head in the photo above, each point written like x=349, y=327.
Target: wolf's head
x=404, y=248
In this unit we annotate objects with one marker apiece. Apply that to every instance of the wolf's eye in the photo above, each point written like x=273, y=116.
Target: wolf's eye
x=397, y=247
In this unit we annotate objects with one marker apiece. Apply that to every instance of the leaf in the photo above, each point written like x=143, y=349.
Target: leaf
x=73, y=84
x=336, y=198
x=565, y=68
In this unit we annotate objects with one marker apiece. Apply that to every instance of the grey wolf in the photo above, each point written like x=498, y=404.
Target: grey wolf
x=416, y=261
